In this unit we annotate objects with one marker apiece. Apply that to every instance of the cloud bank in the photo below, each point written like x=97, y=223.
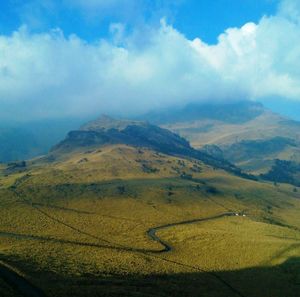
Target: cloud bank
x=52, y=75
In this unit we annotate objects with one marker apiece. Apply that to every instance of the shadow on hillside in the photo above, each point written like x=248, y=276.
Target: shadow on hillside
x=278, y=281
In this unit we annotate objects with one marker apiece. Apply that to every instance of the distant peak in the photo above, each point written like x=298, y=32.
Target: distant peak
x=105, y=122
x=105, y=117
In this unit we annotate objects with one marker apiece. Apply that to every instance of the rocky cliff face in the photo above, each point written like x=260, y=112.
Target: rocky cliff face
x=109, y=131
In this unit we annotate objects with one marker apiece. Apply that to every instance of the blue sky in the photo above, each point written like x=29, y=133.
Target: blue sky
x=193, y=18
x=79, y=57
x=210, y=18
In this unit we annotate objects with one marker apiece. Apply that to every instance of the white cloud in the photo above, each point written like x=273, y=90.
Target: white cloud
x=53, y=75
x=290, y=9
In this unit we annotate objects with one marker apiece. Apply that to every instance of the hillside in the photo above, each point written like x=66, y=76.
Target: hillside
x=284, y=172
x=249, y=135
x=256, y=155
x=125, y=208
x=108, y=131
x=105, y=130
x=78, y=225
x=149, y=148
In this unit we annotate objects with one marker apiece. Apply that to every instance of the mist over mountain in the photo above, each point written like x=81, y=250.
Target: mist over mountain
x=236, y=112
x=24, y=140
x=237, y=128
x=21, y=141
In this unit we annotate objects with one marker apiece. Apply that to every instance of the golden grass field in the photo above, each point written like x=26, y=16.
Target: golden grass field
x=77, y=227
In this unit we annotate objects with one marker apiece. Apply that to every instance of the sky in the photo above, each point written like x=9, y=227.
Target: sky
x=85, y=57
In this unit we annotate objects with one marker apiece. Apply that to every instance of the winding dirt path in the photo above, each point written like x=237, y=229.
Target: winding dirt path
x=26, y=289
x=167, y=247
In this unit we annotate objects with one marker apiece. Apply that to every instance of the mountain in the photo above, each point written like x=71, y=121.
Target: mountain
x=246, y=133
x=235, y=135
x=105, y=218
x=108, y=131
x=284, y=172
x=249, y=135
x=255, y=155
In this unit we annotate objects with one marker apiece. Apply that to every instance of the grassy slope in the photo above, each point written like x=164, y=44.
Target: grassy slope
x=88, y=228
x=265, y=126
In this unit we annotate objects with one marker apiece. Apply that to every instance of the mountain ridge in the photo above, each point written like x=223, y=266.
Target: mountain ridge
x=108, y=131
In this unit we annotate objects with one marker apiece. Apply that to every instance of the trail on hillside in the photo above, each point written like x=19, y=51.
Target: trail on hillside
x=14, y=281
x=167, y=247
